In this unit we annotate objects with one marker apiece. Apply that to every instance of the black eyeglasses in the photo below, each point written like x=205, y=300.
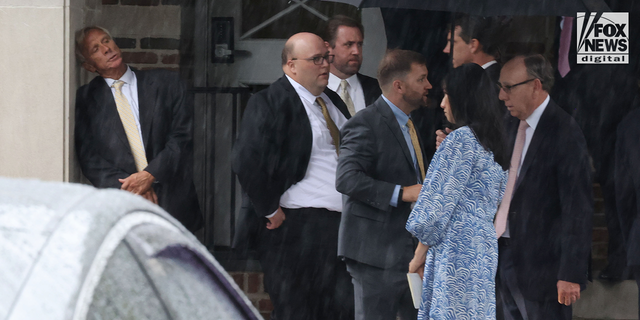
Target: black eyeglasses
x=507, y=89
x=320, y=59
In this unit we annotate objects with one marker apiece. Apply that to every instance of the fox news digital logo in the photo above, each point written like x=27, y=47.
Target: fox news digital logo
x=603, y=38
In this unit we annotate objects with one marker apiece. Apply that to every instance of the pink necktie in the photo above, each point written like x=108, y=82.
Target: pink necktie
x=500, y=222
x=565, y=42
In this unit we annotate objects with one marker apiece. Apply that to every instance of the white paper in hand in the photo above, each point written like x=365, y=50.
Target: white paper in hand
x=415, y=285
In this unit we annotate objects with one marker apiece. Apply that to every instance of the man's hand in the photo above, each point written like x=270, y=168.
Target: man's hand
x=410, y=193
x=568, y=292
x=151, y=196
x=276, y=221
x=138, y=183
x=440, y=135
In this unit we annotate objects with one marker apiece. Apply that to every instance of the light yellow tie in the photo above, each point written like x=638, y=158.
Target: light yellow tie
x=130, y=127
x=416, y=146
x=333, y=129
x=344, y=95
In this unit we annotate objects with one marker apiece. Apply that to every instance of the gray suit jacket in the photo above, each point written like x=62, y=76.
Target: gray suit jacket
x=374, y=158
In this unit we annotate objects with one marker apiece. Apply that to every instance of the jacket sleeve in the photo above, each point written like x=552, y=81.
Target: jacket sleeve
x=625, y=186
x=100, y=172
x=167, y=163
x=356, y=162
x=576, y=203
x=255, y=156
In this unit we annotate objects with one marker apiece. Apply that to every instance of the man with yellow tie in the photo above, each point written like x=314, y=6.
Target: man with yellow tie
x=380, y=170
x=285, y=159
x=133, y=129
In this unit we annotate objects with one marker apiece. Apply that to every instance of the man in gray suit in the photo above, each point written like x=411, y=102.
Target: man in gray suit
x=380, y=170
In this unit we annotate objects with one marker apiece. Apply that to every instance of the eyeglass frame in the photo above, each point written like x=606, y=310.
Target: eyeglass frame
x=328, y=57
x=507, y=89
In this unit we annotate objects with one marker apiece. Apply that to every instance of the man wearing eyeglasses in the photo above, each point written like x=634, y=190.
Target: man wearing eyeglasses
x=285, y=159
x=344, y=38
x=544, y=220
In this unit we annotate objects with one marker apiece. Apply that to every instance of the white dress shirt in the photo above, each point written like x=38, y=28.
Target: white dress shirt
x=130, y=91
x=355, y=90
x=489, y=64
x=318, y=187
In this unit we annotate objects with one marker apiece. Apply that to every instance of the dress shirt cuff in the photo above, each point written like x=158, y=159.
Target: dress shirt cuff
x=394, y=197
x=271, y=215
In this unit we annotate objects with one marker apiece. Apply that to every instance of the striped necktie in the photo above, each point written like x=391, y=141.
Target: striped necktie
x=130, y=127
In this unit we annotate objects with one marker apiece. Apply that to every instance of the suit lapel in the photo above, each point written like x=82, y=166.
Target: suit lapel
x=540, y=134
x=104, y=100
x=147, y=94
x=390, y=119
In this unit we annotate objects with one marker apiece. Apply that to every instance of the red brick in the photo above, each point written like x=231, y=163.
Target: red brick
x=598, y=206
x=109, y=1
x=597, y=191
x=171, y=59
x=140, y=57
x=600, y=235
x=140, y=2
x=599, y=251
x=239, y=279
x=253, y=282
x=265, y=305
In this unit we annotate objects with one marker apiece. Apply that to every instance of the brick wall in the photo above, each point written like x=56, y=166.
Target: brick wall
x=146, y=44
x=251, y=284
x=600, y=233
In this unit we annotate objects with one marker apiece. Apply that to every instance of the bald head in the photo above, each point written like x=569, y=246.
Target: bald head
x=297, y=61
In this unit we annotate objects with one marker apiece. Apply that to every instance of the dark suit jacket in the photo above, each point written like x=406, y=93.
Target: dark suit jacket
x=552, y=206
x=166, y=118
x=627, y=178
x=272, y=151
x=370, y=88
x=494, y=72
x=374, y=158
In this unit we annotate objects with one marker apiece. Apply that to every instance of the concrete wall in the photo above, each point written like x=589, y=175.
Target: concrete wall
x=37, y=87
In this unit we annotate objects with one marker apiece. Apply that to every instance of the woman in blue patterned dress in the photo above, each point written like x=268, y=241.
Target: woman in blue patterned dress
x=453, y=217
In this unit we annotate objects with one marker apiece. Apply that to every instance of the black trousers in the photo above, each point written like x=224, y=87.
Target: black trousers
x=302, y=272
x=511, y=304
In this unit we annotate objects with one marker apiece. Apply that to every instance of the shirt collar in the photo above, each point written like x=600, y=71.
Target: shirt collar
x=402, y=117
x=534, y=118
x=334, y=81
x=302, y=91
x=127, y=77
x=489, y=64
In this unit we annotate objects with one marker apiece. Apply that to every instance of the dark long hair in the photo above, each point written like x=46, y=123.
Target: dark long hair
x=474, y=103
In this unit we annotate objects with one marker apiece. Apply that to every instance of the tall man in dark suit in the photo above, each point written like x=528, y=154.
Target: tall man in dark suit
x=627, y=178
x=380, y=170
x=285, y=159
x=544, y=220
x=344, y=38
x=134, y=128
x=474, y=41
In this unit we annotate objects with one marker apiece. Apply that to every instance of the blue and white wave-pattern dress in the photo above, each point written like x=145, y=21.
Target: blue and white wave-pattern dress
x=454, y=216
